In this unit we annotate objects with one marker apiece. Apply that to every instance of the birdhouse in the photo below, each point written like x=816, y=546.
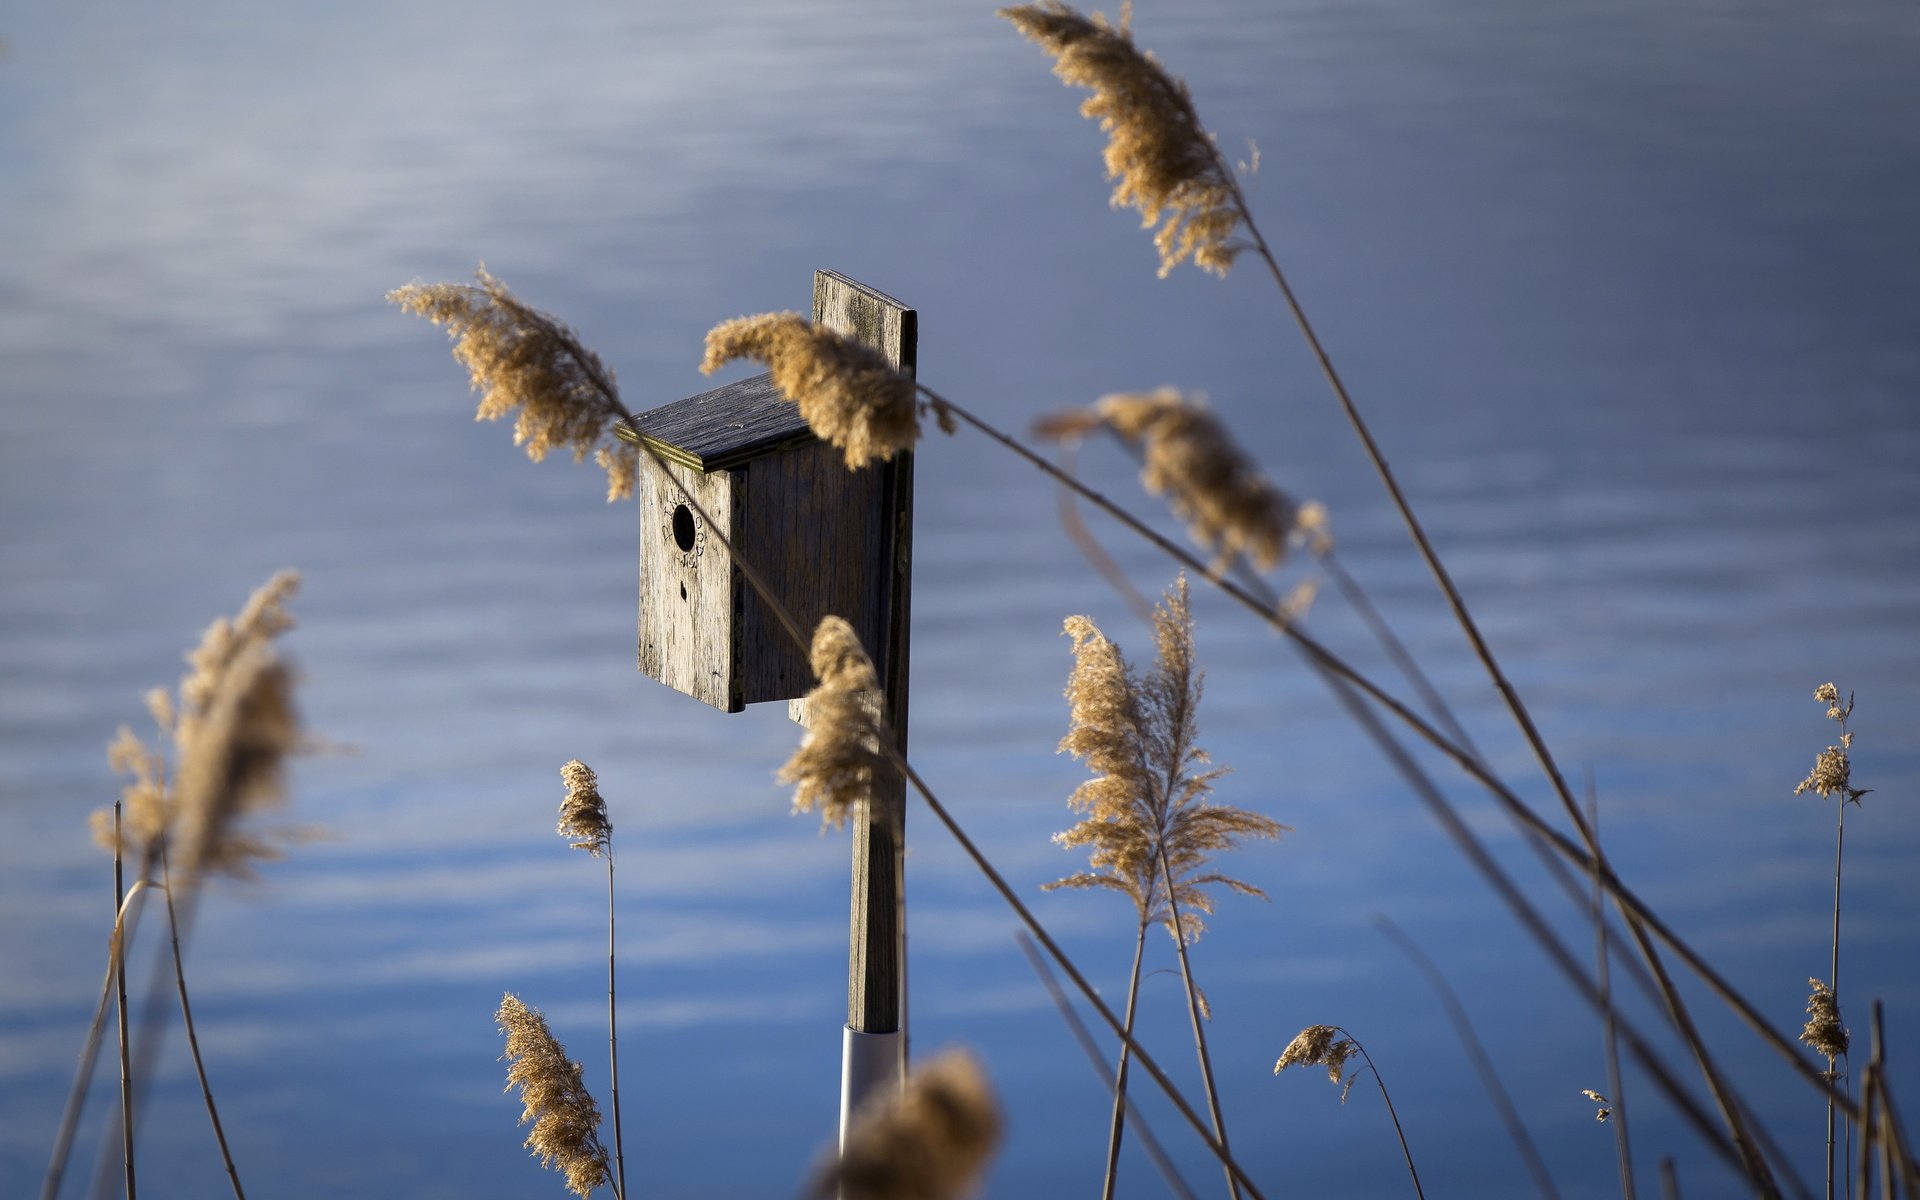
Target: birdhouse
x=828, y=540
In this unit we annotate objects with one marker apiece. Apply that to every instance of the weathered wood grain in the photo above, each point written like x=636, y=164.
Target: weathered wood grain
x=877, y=935
x=725, y=427
x=690, y=599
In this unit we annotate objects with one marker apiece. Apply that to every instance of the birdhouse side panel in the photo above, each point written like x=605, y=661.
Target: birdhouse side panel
x=689, y=592
x=817, y=530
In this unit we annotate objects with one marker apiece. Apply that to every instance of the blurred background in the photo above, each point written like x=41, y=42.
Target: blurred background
x=1628, y=290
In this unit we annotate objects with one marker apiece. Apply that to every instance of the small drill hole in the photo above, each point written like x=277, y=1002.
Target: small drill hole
x=683, y=591
x=683, y=527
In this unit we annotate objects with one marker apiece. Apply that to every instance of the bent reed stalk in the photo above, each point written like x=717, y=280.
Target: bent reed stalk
x=1317, y=1045
x=1165, y=160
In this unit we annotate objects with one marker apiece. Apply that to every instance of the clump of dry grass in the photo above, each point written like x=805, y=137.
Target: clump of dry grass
x=1604, y=1112
x=848, y=394
x=521, y=358
x=232, y=728
x=583, y=814
x=1164, y=159
x=566, y=1121
x=1188, y=457
x=1320, y=1046
x=1823, y=1030
x=928, y=1141
x=835, y=764
x=1148, y=794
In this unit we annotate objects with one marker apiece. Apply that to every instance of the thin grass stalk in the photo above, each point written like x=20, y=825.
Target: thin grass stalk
x=123, y=923
x=1392, y=1114
x=1078, y=1028
x=1357, y=599
x=1833, y=977
x=890, y=748
x=120, y=983
x=1869, y=1124
x=1476, y=1053
x=613, y=1035
x=1616, y=1086
x=193, y=1037
x=1729, y=1109
x=1118, y=1080
x=1669, y=1181
x=1336, y=668
x=1193, y=1007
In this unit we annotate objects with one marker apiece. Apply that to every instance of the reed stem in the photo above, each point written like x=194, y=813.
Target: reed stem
x=193, y=1037
x=1476, y=1053
x=1118, y=1128
x=1839, y=847
x=120, y=983
x=1193, y=1004
x=1616, y=1086
x=1392, y=1115
x=1335, y=668
x=613, y=1036
x=1078, y=1028
x=123, y=922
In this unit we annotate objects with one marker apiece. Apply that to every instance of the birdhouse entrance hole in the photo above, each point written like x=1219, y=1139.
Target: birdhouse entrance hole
x=683, y=527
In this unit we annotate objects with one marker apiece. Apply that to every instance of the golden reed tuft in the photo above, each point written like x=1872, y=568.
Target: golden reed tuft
x=1833, y=767
x=1823, y=1030
x=566, y=1121
x=1321, y=1046
x=1150, y=779
x=583, y=814
x=848, y=395
x=232, y=729
x=1603, y=1113
x=929, y=1141
x=1188, y=456
x=835, y=764
x=1164, y=159
x=522, y=358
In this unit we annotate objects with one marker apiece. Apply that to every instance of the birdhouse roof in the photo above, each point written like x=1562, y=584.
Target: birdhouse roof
x=725, y=427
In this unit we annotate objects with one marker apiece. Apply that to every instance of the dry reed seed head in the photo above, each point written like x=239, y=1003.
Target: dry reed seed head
x=1230, y=507
x=929, y=1141
x=231, y=728
x=1312, y=528
x=521, y=358
x=1150, y=784
x=1823, y=1030
x=1605, y=1110
x=1166, y=164
x=583, y=814
x=838, y=759
x=565, y=1119
x=233, y=765
x=1321, y=1046
x=849, y=395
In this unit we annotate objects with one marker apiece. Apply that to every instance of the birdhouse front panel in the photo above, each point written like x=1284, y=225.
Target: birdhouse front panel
x=819, y=534
x=689, y=622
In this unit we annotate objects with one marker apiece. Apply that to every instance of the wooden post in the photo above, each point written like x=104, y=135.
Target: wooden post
x=874, y=1052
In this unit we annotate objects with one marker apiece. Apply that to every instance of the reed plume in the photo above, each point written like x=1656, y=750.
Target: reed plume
x=583, y=818
x=1330, y=1046
x=1150, y=829
x=1604, y=1112
x=565, y=1119
x=1188, y=456
x=521, y=358
x=848, y=394
x=834, y=767
x=1148, y=794
x=1321, y=1046
x=1823, y=1030
x=1166, y=164
x=583, y=814
x=928, y=1141
x=232, y=727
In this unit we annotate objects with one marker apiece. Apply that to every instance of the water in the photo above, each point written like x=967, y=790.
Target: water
x=1627, y=290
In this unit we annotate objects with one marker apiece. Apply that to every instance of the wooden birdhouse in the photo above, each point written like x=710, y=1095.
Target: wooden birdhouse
x=827, y=539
